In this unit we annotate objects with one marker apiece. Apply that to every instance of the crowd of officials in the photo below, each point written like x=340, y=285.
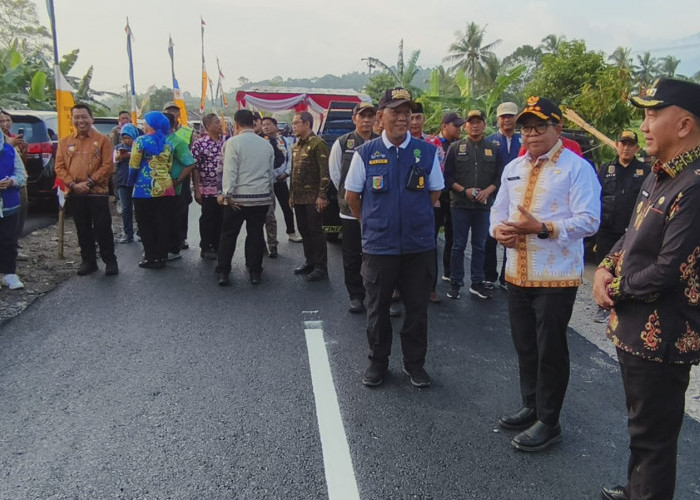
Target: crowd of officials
x=529, y=193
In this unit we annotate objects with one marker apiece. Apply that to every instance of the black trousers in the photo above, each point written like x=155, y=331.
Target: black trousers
x=538, y=323
x=210, y=223
x=254, y=218
x=8, y=243
x=655, y=398
x=443, y=217
x=310, y=223
x=282, y=195
x=491, y=261
x=352, y=258
x=412, y=275
x=182, y=209
x=604, y=242
x=154, y=217
x=93, y=222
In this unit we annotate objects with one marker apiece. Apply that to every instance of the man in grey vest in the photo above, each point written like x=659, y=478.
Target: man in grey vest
x=338, y=164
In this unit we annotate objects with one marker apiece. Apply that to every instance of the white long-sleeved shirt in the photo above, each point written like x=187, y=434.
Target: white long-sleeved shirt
x=564, y=192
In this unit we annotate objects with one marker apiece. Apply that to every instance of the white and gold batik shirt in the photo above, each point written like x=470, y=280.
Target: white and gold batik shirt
x=560, y=189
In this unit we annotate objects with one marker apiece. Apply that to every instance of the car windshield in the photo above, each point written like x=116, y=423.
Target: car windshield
x=104, y=127
x=34, y=129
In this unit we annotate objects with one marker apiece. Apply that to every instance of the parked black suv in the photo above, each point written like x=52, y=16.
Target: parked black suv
x=40, y=133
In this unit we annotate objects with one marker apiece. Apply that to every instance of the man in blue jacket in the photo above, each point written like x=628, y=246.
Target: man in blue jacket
x=391, y=187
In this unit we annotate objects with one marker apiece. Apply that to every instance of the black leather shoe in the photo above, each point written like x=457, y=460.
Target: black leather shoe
x=272, y=253
x=111, y=268
x=616, y=493
x=305, y=269
x=356, y=306
x=222, y=279
x=87, y=267
x=317, y=275
x=538, y=437
x=521, y=419
x=374, y=374
x=255, y=277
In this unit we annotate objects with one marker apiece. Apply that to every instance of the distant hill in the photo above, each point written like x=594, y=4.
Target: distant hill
x=354, y=80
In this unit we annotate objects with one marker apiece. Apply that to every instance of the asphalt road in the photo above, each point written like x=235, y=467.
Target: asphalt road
x=160, y=384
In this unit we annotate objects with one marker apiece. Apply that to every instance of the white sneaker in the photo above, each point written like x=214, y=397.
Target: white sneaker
x=294, y=237
x=12, y=282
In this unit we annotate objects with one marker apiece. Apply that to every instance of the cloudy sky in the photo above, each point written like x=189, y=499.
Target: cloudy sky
x=259, y=40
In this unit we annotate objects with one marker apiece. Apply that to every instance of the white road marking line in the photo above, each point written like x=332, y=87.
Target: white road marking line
x=340, y=474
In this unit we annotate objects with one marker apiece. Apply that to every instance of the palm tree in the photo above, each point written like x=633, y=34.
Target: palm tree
x=468, y=52
x=551, y=43
x=621, y=58
x=668, y=66
x=646, y=71
x=404, y=73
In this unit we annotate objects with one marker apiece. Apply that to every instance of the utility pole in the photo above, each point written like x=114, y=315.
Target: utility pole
x=370, y=64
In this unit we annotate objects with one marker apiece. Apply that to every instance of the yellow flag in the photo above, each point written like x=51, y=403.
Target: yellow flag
x=64, y=104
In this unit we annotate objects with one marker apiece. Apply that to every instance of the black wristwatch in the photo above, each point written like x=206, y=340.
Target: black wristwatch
x=544, y=234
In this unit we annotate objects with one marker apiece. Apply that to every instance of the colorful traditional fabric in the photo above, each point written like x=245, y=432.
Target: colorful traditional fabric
x=209, y=159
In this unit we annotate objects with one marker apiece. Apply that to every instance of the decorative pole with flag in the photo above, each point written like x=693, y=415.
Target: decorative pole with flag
x=134, y=107
x=177, y=95
x=220, y=91
x=64, y=105
x=205, y=78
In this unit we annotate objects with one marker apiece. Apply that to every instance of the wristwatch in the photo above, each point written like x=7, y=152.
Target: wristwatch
x=544, y=234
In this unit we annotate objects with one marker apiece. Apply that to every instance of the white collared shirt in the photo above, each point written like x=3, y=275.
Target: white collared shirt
x=564, y=192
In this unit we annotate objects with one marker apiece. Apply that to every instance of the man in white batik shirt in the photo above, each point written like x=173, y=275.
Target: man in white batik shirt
x=548, y=202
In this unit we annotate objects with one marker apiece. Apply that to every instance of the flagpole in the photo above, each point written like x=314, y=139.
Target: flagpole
x=134, y=108
x=177, y=96
x=205, y=79
x=63, y=105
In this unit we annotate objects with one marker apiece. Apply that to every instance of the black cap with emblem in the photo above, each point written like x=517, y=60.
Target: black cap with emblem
x=670, y=92
x=395, y=97
x=541, y=108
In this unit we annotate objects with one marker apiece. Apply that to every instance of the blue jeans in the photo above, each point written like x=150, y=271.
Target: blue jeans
x=464, y=219
x=124, y=193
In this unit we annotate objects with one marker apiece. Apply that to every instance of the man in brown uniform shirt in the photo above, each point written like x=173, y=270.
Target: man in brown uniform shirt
x=84, y=163
x=308, y=187
x=650, y=281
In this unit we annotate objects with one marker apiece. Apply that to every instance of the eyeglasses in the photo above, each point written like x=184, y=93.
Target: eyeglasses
x=538, y=129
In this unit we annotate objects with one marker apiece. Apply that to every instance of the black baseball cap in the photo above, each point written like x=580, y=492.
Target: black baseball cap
x=670, y=92
x=363, y=106
x=542, y=108
x=395, y=97
x=452, y=117
x=628, y=136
